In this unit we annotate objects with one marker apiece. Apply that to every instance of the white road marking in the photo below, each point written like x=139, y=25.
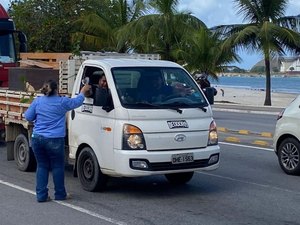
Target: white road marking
x=248, y=182
x=77, y=208
x=247, y=146
x=17, y=187
x=243, y=181
x=116, y=222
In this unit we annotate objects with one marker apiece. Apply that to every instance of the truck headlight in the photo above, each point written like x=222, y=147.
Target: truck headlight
x=133, y=138
x=213, y=134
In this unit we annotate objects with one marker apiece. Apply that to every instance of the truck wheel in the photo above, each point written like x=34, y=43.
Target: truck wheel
x=89, y=173
x=23, y=154
x=179, y=178
x=289, y=156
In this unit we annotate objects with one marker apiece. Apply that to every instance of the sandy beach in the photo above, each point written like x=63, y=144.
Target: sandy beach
x=252, y=97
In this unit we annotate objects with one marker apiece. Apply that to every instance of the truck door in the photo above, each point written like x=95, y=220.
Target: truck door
x=92, y=123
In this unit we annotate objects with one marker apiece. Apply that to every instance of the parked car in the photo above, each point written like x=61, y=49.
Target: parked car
x=287, y=138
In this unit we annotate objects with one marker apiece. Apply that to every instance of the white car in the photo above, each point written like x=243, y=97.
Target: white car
x=287, y=138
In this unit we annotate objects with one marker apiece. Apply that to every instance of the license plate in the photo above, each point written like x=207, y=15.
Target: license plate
x=182, y=158
x=178, y=124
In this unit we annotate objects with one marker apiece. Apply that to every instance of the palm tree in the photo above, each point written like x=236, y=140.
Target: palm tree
x=97, y=27
x=204, y=53
x=160, y=32
x=265, y=33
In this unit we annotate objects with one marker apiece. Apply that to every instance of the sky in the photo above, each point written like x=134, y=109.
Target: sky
x=217, y=12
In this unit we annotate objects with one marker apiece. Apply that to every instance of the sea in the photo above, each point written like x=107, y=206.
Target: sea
x=278, y=83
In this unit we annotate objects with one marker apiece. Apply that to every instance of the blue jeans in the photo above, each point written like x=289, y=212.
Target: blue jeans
x=50, y=156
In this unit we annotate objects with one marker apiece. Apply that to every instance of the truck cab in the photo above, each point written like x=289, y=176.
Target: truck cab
x=8, y=43
x=137, y=128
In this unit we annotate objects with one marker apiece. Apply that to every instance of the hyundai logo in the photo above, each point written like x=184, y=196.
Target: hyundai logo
x=180, y=137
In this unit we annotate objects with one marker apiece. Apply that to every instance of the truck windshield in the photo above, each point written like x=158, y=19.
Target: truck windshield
x=157, y=87
x=7, y=49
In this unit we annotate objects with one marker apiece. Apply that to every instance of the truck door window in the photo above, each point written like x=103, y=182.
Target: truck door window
x=100, y=91
x=7, y=50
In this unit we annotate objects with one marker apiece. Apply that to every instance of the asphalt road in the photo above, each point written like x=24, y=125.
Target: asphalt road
x=248, y=188
x=255, y=123
x=246, y=128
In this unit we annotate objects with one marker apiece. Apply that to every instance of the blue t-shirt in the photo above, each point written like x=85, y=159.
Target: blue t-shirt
x=49, y=114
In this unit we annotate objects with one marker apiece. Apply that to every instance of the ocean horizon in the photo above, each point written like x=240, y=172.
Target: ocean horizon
x=278, y=84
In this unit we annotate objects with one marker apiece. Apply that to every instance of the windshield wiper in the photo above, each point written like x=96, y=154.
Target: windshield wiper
x=157, y=106
x=185, y=104
x=202, y=108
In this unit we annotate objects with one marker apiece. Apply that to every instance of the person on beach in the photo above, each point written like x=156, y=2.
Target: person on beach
x=222, y=91
x=48, y=138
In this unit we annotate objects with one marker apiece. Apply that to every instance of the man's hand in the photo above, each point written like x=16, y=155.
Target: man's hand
x=183, y=90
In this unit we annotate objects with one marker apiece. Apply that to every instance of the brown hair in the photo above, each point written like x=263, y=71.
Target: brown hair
x=49, y=88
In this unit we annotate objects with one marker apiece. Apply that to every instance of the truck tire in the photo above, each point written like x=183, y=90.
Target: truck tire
x=89, y=173
x=179, y=178
x=289, y=156
x=23, y=154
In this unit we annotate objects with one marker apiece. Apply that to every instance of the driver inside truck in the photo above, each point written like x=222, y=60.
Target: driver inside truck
x=152, y=88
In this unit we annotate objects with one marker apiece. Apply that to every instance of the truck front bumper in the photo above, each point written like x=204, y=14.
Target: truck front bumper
x=144, y=163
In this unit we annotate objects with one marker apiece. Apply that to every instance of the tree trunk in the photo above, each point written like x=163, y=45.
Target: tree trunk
x=268, y=80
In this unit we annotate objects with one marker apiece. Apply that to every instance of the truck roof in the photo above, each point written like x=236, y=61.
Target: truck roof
x=109, y=62
x=6, y=24
x=3, y=13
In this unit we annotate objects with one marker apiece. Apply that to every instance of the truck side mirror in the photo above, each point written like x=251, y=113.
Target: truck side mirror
x=23, y=41
x=102, y=97
x=109, y=105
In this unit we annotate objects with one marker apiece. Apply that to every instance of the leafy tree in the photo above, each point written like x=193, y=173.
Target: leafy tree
x=97, y=27
x=47, y=23
x=161, y=32
x=265, y=33
x=203, y=52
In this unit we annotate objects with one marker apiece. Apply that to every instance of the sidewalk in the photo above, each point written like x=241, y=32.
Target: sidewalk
x=250, y=101
x=227, y=107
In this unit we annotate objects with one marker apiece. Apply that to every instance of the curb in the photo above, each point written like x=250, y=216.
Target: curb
x=245, y=111
x=245, y=132
x=234, y=139
x=241, y=108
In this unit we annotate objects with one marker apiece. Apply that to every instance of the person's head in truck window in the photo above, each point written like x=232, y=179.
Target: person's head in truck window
x=98, y=79
x=102, y=83
x=102, y=94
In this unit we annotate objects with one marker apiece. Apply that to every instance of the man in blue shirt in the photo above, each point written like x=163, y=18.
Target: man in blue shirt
x=49, y=116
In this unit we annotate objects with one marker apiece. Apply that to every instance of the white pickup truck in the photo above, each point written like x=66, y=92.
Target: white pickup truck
x=132, y=130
